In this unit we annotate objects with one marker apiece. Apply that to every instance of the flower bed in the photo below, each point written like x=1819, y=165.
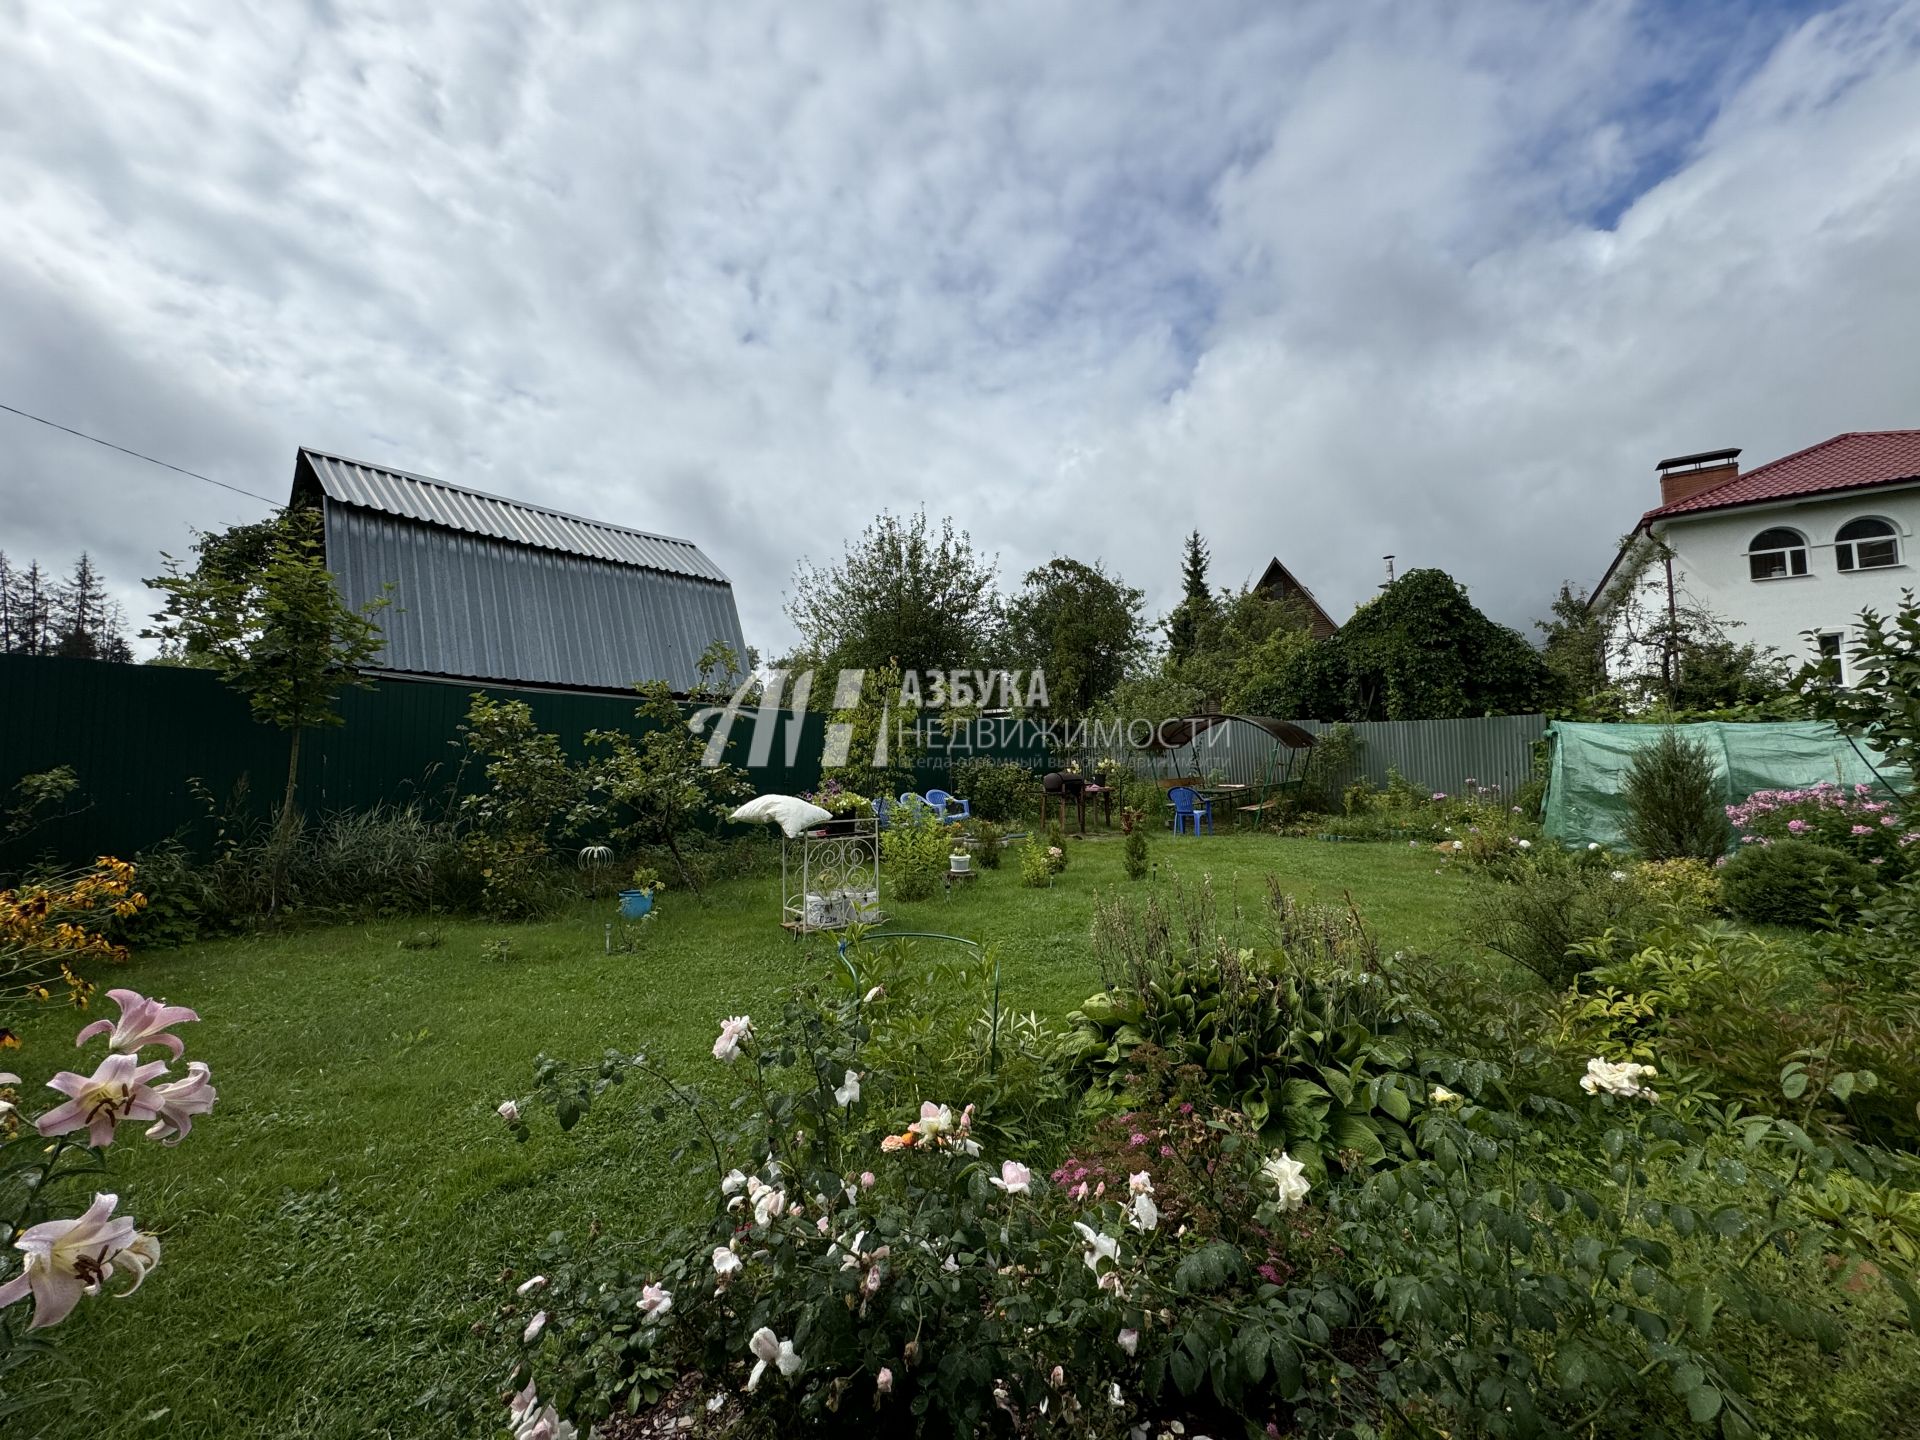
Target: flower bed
x=1852, y=819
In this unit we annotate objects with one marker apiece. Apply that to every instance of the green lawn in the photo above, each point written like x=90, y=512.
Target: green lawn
x=340, y=1222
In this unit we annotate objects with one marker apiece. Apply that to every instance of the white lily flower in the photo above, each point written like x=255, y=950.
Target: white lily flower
x=1442, y=1096
x=138, y=1259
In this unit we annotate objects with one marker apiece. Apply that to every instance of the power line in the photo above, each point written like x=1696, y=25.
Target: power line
x=182, y=470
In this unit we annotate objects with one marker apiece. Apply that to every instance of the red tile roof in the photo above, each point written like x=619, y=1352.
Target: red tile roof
x=1846, y=462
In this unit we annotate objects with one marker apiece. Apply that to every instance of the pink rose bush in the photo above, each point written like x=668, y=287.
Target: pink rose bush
x=65, y=1259
x=1861, y=820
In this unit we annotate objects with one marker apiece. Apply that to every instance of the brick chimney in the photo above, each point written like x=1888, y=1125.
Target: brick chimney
x=1685, y=476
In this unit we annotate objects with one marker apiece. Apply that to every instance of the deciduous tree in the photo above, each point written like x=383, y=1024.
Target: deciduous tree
x=260, y=607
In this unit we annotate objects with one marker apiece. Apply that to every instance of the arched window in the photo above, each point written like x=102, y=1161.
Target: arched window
x=1776, y=554
x=1867, y=544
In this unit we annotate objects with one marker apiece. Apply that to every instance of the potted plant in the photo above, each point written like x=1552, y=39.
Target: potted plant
x=637, y=900
x=960, y=861
x=847, y=808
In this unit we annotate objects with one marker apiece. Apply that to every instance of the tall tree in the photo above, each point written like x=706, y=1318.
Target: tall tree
x=904, y=591
x=1574, y=643
x=260, y=607
x=1080, y=625
x=30, y=611
x=9, y=600
x=1246, y=637
x=87, y=623
x=1196, y=604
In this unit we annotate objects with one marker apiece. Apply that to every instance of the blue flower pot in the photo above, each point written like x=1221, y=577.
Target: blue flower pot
x=634, y=904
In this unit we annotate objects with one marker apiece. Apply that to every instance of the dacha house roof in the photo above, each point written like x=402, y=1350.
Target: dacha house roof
x=454, y=507
x=497, y=590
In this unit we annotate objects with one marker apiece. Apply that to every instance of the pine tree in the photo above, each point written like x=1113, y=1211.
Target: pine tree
x=1196, y=600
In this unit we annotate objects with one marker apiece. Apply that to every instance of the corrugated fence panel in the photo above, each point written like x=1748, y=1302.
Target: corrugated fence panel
x=1433, y=754
x=158, y=749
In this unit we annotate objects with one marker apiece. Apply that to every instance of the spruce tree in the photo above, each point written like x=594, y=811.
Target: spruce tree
x=83, y=618
x=1196, y=600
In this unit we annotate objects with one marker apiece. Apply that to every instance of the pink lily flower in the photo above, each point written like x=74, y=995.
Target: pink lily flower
x=117, y=1091
x=180, y=1101
x=142, y=1022
x=66, y=1259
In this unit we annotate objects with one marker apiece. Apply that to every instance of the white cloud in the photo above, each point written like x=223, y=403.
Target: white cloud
x=1326, y=282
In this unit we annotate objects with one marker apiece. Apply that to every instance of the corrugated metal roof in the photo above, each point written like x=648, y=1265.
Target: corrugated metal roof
x=435, y=502
x=483, y=608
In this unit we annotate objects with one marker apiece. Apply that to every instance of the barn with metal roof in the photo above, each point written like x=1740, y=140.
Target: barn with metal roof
x=486, y=588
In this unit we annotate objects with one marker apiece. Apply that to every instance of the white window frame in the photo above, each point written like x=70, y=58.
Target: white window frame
x=1803, y=550
x=1846, y=554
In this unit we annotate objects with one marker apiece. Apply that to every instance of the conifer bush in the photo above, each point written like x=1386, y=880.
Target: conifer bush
x=1674, y=810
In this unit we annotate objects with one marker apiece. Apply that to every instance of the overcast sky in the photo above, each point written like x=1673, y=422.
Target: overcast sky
x=1326, y=282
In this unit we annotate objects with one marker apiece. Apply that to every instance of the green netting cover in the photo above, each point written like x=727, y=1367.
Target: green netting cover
x=1589, y=768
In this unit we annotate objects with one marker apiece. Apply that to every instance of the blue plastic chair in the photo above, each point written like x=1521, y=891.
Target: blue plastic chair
x=944, y=803
x=881, y=805
x=1189, y=809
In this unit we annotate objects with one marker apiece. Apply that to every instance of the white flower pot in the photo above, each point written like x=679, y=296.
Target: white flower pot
x=959, y=864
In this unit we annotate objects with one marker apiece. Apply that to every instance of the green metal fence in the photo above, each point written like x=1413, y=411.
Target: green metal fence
x=1433, y=754
x=155, y=746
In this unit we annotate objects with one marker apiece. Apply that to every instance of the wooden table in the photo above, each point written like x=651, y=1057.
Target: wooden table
x=1079, y=794
x=1227, y=792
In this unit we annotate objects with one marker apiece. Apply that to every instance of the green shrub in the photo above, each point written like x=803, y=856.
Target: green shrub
x=1038, y=863
x=993, y=789
x=876, y=1251
x=1673, y=801
x=1057, y=846
x=1308, y=1037
x=987, y=852
x=1135, y=856
x=915, y=850
x=1551, y=903
x=1691, y=887
x=1792, y=882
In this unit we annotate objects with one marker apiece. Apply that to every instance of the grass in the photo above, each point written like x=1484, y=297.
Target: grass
x=337, y=1227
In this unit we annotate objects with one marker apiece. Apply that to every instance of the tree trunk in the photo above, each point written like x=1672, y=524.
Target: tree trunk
x=293, y=776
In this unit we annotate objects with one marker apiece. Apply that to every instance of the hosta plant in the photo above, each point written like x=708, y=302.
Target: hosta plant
x=1308, y=1037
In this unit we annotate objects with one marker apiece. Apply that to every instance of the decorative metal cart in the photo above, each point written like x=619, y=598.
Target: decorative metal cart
x=830, y=877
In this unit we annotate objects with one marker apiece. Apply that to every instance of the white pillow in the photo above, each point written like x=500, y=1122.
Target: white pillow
x=789, y=812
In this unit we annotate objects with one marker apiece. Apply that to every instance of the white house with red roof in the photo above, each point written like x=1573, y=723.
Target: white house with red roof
x=1804, y=543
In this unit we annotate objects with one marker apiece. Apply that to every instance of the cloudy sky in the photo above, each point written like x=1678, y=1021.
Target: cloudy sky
x=1325, y=281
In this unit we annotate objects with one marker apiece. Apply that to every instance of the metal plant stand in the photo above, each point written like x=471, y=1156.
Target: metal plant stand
x=830, y=878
